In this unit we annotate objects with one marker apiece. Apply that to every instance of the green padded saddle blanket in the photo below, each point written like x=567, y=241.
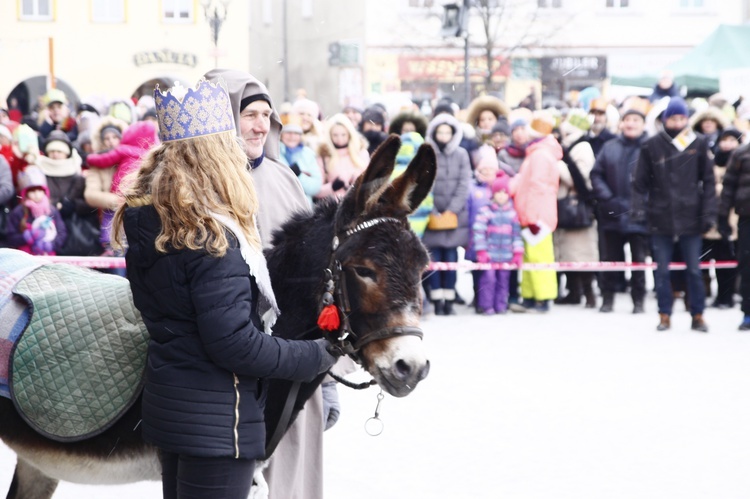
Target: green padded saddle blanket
x=79, y=364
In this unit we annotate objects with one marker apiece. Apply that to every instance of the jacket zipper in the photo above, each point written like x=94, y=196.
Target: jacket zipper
x=236, y=417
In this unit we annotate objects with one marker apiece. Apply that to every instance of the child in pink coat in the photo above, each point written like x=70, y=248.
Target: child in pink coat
x=136, y=140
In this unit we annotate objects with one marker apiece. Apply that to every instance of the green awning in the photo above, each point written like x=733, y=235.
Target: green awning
x=728, y=47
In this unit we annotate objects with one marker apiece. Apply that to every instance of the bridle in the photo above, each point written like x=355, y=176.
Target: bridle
x=349, y=342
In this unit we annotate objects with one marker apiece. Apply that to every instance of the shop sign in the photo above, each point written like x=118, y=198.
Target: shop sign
x=165, y=56
x=448, y=68
x=574, y=67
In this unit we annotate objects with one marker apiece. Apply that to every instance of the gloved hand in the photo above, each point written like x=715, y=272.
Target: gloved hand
x=724, y=228
x=295, y=169
x=483, y=256
x=326, y=359
x=517, y=259
x=66, y=207
x=331, y=407
x=338, y=184
x=534, y=228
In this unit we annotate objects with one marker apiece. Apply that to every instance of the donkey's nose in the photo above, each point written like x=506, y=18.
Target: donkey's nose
x=404, y=370
x=424, y=371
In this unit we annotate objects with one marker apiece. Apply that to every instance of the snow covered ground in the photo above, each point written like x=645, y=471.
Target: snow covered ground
x=571, y=404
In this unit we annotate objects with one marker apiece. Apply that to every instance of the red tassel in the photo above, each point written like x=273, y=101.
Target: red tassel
x=328, y=320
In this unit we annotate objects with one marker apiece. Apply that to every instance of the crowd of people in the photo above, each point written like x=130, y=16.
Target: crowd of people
x=593, y=182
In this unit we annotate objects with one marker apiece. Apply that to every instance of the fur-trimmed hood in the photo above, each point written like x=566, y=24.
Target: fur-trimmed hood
x=458, y=133
x=498, y=108
x=710, y=113
x=96, y=134
x=397, y=123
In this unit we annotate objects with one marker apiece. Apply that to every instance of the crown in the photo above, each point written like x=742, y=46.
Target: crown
x=193, y=112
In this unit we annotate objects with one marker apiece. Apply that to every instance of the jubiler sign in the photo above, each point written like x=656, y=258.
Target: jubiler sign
x=165, y=56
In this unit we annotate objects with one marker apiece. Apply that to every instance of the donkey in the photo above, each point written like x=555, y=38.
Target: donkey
x=363, y=246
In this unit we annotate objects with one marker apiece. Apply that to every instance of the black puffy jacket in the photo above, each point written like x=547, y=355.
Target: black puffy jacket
x=204, y=393
x=611, y=179
x=736, y=187
x=675, y=190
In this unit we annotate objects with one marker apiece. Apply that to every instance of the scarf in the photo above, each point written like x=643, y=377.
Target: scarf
x=516, y=151
x=256, y=262
x=60, y=167
x=291, y=151
x=255, y=163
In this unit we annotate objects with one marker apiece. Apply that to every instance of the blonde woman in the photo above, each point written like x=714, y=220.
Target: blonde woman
x=342, y=156
x=188, y=218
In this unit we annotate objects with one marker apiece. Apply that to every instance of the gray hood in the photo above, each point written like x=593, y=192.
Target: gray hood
x=241, y=85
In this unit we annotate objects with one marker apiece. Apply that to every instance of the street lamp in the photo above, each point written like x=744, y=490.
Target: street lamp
x=456, y=24
x=216, y=13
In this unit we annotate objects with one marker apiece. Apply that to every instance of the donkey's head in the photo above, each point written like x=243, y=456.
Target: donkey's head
x=381, y=263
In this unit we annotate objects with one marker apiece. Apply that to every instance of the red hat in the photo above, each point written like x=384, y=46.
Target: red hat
x=501, y=183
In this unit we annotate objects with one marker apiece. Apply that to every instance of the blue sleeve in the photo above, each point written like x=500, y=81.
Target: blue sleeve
x=310, y=177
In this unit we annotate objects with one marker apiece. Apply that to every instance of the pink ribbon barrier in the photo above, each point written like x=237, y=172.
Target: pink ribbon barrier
x=114, y=262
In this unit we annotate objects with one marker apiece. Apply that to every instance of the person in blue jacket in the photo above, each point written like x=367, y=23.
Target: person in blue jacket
x=201, y=284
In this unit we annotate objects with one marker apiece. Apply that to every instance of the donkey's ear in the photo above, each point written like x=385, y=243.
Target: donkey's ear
x=375, y=179
x=410, y=189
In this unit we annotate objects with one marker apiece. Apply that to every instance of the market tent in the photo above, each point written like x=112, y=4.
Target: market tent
x=699, y=70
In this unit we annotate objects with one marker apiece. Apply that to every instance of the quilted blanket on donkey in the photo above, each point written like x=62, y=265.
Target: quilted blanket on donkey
x=14, y=313
x=80, y=362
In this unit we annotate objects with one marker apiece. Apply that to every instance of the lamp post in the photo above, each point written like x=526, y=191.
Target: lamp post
x=456, y=24
x=215, y=12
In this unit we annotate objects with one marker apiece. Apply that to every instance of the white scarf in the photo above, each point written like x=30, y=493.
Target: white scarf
x=267, y=307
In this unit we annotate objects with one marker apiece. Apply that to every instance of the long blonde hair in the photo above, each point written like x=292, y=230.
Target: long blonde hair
x=186, y=181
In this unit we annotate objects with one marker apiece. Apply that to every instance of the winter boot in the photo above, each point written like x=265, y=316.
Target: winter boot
x=587, y=282
x=699, y=324
x=439, y=307
x=573, y=284
x=448, y=307
x=663, y=322
x=608, y=302
x=638, y=306
x=745, y=326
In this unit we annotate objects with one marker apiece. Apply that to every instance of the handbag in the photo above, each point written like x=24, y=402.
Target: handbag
x=442, y=221
x=574, y=213
x=83, y=236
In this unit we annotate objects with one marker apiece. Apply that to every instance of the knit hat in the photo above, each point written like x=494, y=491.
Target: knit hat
x=110, y=128
x=54, y=95
x=443, y=107
x=579, y=119
x=520, y=122
x=676, y=106
x=57, y=141
x=730, y=132
x=501, y=126
x=541, y=125
x=31, y=177
x=486, y=157
x=306, y=106
x=374, y=115
x=293, y=124
x=598, y=104
x=501, y=183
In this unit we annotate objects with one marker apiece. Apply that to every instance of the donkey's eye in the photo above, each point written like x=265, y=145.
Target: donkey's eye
x=365, y=272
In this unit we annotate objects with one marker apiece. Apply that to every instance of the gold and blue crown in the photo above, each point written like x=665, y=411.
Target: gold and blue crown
x=193, y=112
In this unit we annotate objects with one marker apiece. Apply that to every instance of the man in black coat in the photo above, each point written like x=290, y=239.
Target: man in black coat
x=674, y=193
x=610, y=181
x=736, y=194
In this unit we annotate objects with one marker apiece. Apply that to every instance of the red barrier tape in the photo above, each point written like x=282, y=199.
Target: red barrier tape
x=114, y=262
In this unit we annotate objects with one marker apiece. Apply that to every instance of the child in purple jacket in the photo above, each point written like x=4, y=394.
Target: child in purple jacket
x=497, y=239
